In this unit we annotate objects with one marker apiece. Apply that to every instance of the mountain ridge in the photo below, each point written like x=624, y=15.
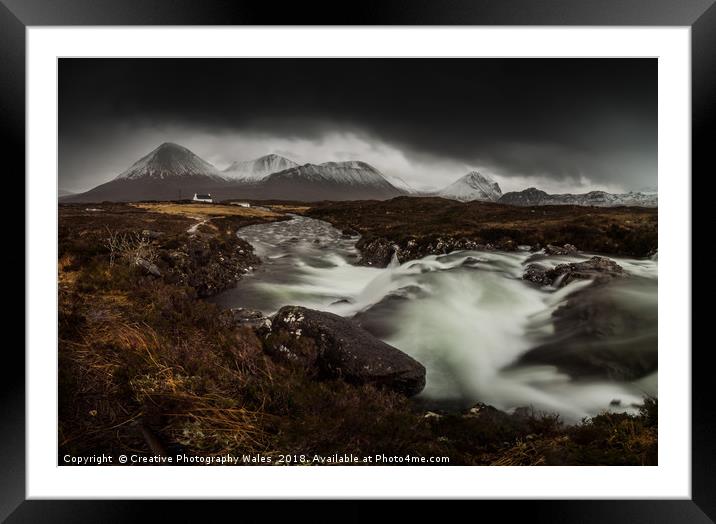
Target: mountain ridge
x=536, y=197
x=348, y=180
x=258, y=168
x=173, y=172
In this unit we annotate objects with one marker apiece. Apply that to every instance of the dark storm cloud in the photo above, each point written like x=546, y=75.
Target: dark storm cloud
x=560, y=118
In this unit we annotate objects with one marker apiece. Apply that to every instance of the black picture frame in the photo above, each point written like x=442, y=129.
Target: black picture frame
x=699, y=15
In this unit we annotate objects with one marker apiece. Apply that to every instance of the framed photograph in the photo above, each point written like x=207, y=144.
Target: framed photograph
x=411, y=255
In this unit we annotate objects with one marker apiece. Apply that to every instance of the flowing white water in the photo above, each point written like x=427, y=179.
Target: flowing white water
x=467, y=316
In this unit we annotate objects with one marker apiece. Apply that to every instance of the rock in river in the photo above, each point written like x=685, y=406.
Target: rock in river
x=602, y=331
x=328, y=345
x=567, y=249
x=598, y=269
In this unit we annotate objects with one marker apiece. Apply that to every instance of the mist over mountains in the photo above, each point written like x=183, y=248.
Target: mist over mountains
x=173, y=172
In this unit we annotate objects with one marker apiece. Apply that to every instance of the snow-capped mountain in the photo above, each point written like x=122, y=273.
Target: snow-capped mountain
x=352, y=173
x=648, y=190
x=473, y=186
x=170, y=160
x=401, y=184
x=353, y=180
x=170, y=172
x=255, y=170
x=535, y=197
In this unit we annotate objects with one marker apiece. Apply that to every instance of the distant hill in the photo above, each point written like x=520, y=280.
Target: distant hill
x=535, y=197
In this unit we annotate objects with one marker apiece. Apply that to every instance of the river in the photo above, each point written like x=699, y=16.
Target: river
x=469, y=318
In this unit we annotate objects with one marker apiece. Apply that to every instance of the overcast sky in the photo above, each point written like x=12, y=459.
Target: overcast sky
x=562, y=125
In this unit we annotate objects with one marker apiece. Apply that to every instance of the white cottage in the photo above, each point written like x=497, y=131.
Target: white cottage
x=202, y=197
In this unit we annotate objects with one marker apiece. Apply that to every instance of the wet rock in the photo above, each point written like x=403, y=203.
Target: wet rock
x=596, y=335
x=538, y=274
x=149, y=267
x=567, y=249
x=598, y=269
x=377, y=252
x=327, y=345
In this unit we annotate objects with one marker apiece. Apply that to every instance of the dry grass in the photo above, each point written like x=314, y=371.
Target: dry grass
x=206, y=210
x=618, y=230
x=119, y=372
x=528, y=452
x=289, y=208
x=137, y=352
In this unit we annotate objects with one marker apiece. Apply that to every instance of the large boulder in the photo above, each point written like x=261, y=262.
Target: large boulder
x=327, y=345
x=598, y=269
x=599, y=334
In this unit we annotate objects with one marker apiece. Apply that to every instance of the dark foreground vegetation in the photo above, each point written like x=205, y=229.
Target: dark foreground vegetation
x=416, y=227
x=147, y=367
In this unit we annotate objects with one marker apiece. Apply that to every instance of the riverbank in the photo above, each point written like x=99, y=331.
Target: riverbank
x=415, y=227
x=146, y=365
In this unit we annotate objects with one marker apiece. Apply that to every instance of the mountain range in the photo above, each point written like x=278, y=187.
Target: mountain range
x=536, y=197
x=173, y=172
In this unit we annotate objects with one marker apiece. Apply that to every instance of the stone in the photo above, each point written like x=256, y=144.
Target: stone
x=567, y=249
x=149, y=267
x=330, y=346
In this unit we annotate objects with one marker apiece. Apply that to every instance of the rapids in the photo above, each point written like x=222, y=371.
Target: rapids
x=467, y=316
